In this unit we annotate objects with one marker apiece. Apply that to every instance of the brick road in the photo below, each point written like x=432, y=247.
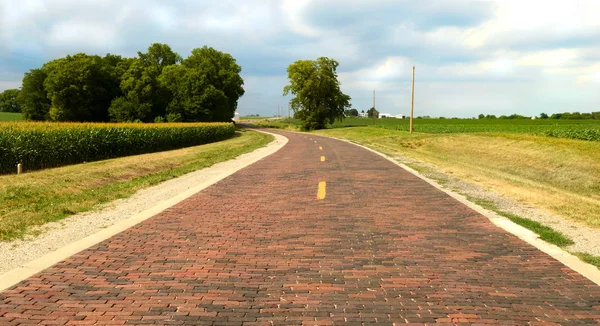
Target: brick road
x=259, y=248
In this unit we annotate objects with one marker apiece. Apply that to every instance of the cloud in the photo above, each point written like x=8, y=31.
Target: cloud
x=503, y=56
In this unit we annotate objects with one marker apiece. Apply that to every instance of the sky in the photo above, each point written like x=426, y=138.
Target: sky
x=493, y=57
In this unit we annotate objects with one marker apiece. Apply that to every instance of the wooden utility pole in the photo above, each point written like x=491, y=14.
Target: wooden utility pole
x=412, y=100
x=374, y=104
x=373, y=98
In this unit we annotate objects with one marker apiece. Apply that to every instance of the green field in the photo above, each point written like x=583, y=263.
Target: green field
x=9, y=116
x=573, y=129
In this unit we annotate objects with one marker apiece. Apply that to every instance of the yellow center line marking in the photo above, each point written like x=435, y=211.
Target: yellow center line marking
x=320, y=148
x=322, y=190
x=322, y=158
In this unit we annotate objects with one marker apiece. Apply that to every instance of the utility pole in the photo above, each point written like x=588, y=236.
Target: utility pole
x=278, y=110
x=412, y=100
x=374, y=105
x=373, y=98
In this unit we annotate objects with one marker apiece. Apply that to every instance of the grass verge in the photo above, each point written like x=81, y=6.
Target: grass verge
x=590, y=259
x=546, y=233
x=36, y=198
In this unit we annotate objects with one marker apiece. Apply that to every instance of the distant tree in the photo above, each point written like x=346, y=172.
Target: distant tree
x=490, y=116
x=362, y=111
x=317, y=91
x=33, y=98
x=205, y=87
x=517, y=116
x=373, y=113
x=352, y=113
x=481, y=116
x=80, y=87
x=543, y=116
x=9, y=102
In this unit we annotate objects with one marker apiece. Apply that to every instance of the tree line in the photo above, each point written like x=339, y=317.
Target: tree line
x=155, y=86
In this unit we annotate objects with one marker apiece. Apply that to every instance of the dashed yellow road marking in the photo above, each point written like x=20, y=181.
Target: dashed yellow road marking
x=322, y=190
x=322, y=158
x=320, y=148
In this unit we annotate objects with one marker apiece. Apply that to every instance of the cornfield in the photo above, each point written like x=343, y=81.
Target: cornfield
x=40, y=145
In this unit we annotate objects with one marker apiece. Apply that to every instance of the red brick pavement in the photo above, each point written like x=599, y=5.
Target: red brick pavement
x=259, y=248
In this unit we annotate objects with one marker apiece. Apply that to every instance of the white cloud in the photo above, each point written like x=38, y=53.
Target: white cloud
x=88, y=34
x=467, y=57
x=550, y=58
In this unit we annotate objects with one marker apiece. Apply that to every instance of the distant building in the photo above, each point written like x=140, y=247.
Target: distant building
x=363, y=115
x=385, y=115
x=400, y=116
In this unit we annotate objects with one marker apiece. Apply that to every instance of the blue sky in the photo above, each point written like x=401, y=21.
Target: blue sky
x=471, y=57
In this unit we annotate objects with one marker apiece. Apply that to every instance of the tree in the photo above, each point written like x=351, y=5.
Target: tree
x=373, y=113
x=481, y=116
x=351, y=113
x=80, y=87
x=9, y=102
x=33, y=98
x=318, y=97
x=145, y=98
x=206, y=86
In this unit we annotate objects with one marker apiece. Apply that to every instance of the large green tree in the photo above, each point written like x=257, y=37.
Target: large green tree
x=9, y=102
x=318, y=97
x=205, y=87
x=144, y=98
x=33, y=98
x=80, y=87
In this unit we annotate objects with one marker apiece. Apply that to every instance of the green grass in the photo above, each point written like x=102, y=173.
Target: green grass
x=285, y=123
x=9, y=116
x=590, y=259
x=573, y=129
x=546, y=233
x=36, y=198
x=253, y=118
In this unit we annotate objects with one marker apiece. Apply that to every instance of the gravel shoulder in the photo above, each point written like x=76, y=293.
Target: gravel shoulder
x=56, y=235
x=586, y=239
